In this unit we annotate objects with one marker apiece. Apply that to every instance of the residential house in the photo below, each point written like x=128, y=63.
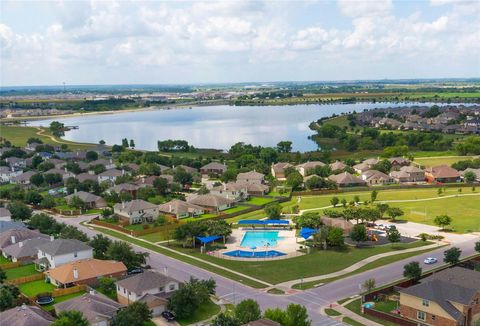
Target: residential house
x=136, y=211
x=5, y=214
x=337, y=166
x=98, y=309
x=110, y=175
x=251, y=177
x=130, y=188
x=58, y=252
x=255, y=189
x=14, y=235
x=307, y=168
x=131, y=167
x=8, y=174
x=186, y=168
x=24, y=251
x=442, y=174
x=398, y=162
x=231, y=190
x=16, y=162
x=63, y=172
x=415, y=174
x=108, y=164
x=401, y=176
x=82, y=177
x=371, y=162
x=278, y=170
x=85, y=271
x=150, y=287
x=58, y=164
x=24, y=178
x=82, y=165
x=374, y=177
x=26, y=316
x=211, y=202
x=346, y=179
x=10, y=225
x=474, y=171
x=213, y=168
x=361, y=167
x=74, y=156
x=180, y=209
x=32, y=146
x=448, y=298
x=90, y=200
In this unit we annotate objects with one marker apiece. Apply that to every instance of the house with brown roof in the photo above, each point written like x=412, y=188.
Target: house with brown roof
x=213, y=168
x=415, y=174
x=180, y=209
x=85, y=271
x=150, y=287
x=278, y=170
x=24, y=178
x=251, y=177
x=90, y=200
x=374, y=177
x=231, y=190
x=82, y=177
x=447, y=298
x=211, y=202
x=361, y=167
x=346, y=179
x=442, y=174
x=255, y=189
x=337, y=165
x=130, y=188
x=307, y=168
x=188, y=169
x=98, y=309
x=398, y=162
x=345, y=225
x=136, y=211
x=26, y=316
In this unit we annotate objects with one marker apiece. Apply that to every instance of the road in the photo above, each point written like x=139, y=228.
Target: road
x=312, y=299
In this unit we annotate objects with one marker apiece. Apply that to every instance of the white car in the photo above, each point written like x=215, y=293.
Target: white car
x=430, y=260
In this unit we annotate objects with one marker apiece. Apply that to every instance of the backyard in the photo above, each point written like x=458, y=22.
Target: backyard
x=439, y=160
x=205, y=311
x=20, y=271
x=31, y=289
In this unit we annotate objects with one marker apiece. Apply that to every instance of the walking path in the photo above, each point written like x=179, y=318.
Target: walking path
x=345, y=312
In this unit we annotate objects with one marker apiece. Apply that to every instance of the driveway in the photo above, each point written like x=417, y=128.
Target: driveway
x=160, y=321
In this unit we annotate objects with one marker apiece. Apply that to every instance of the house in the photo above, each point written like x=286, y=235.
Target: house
x=442, y=174
x=401, y=176
x=278, y=170
x=474, y=171
x=32, y=146
x=361, y=167
x=211, y=202
x=251, y=177
x=82, y=177
x=7, y=175
x=398, y=162
x=24, y=178
x=90, y=200
x=337, y=166
x=374, y=177
x=14, y=235
x=136, y=211
x=125, y=188
x=213, y=168
x=345, y=225
x=150, y=287
x=108, y=164
x=10, y=225
x=98, y=309
x=255, y=189
x=5, y=214
x=16, y=162
x=415, y=174
x=232, y=190
x=131, y=167
x=110, y=175
x=24, y=251
x=186, y=168
x=85, y=271
x=262, y=322
x=307, y=168
x=74, y=156
x=63, y=172
x=58, y=164
x=26, y=316
x=371, y=162
x=180, y=209
x=449, y=297
x=346, y=179
x=58, y=252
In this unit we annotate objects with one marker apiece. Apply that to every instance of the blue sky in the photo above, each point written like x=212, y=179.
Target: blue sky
x=125, y=42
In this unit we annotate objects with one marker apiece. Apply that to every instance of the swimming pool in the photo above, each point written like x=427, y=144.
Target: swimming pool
x=254, y=254
x=260, y=239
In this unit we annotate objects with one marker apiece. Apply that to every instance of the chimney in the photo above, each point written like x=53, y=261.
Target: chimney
x=143, y=179
x=165, y=271
x=13, y=239
x=75, y=273
x=52, y=238
x=123, y=171
x=20, y=244
x=66, y=170
x=224, y=187
x=75, y=191
x=92, y=292
x=170, y=208
x=111, y=161
x=123, y=204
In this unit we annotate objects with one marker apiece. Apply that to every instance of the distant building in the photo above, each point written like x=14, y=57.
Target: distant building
x=211, y=203
x=180, y=209
x=26, y=316
x=251, y=177
x=278, y=170
x=58, y=252
x=346, y=179
x=136, y=211
x=307, y=168
x=442, y=173
x=213, y=168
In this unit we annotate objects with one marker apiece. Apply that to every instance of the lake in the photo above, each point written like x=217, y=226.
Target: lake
x=209, y=126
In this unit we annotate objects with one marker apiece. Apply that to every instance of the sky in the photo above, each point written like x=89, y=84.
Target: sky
x=178, y=42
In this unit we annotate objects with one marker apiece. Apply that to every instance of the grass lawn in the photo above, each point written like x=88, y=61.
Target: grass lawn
x=49, y=307
x=350, y=321
x=205, y=311
x=134, y=227
x=154, y=237
x=255, y=215
x=4, y=260
x=235, y=209
x=317, y=263
x=386, y=306
x=332, y=312
x=434, y=161
x=201, y=217
x=260, y=200
x=355, y=307
x=31, y=289
x=20, y=271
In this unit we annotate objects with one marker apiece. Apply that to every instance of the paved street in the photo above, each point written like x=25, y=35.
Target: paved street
x=313, y=299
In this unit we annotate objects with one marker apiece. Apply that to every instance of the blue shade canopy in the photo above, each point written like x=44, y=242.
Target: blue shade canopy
x=209, y=238
x=307, y=232
x=264, y=222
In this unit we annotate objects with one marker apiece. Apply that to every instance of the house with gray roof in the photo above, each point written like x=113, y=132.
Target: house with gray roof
x=24, y=251
x=232, y=190
x=375, y=177
x=24, y=178
x=278, y=170
x=26, y=316
x=180, y=209
x=136, y=211
x=448, y=297
x=82, y=177
x=251, y=177
x=211, y=202
x=7, y=175
x=5, y=214
x=58, y=252
x=14, y=235
x=110, y=175
x=9, y=225
x=213, y=168
x=90, y=200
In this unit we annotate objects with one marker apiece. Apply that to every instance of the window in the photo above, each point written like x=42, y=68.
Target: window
x=425, y=303
x=434, y=317
x=160, y=289
x=421, y=315
x=75, y=254
x=172, y=287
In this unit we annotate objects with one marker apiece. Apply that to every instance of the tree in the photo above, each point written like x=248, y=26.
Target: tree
x=276, y=314
x=3, y=276
x=91, y=156
x=71, y=232
x=123, y=251
x=469, y=176
x=135, y=314
x=452, y=255
x=52, y=178
x=442, y=221
x=37, y=179
x=19, y=210
x=224, y=319
x=247, y=310
x=7, y=300
x=358, y=233
x=284, y=146
x=477, y=246
x=394, y=212
x=273, y=210
x=107, y=286
x=373, y=196
x=69, y=318
x=382, y=208
x=412, y=271
x=335, y=237
x=182, y=177
x=369, y=285
x=394, y=236
x=296, y=315
x=57, y=128
x=100, y=244
x=33, y=197
x=45, y=224
x=124, y=142
x=161, y=184
x=334, y=201
x=186, y=300
x=309, y=220
x=132, y=143
x=48, y=201
x=294, y=180
x=439, y=191
x=344, y=202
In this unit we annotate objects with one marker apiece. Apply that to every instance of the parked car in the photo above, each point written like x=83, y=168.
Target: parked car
x=430, y=260
x=135, y=271
x=169, y=316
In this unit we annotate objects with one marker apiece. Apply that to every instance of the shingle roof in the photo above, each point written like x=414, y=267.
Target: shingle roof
x=145, y=281
x=86, y=176
x=346, y=178
x=4, y=212
x=86, y=269
x=26, y=316
x=443, y=171
x=24, y=176
x=411, y=169
x=214, y=166
x=310, y=165
x=111, y=173
x=337, y=165
x=20, y=234
x=179, y=207
x=252, y=175
x=210, y=200
x=281, y=166
x=85, y=196
x=134, y=206
x=8, y=225
x=28, y=248
x=124, y=187
x=63, y=246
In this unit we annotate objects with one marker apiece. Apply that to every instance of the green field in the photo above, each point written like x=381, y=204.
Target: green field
x=154, y=237
x=31, y=289
x=204, y=312
x=434, y=161
x=4, y=260
x=259, y=201
x=21, y=271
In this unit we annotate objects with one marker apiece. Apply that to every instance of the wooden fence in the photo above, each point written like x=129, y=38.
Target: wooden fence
x=10, y=265
x=397, y=320
x=111, y=226
x=26, y=279
x=75, y=289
